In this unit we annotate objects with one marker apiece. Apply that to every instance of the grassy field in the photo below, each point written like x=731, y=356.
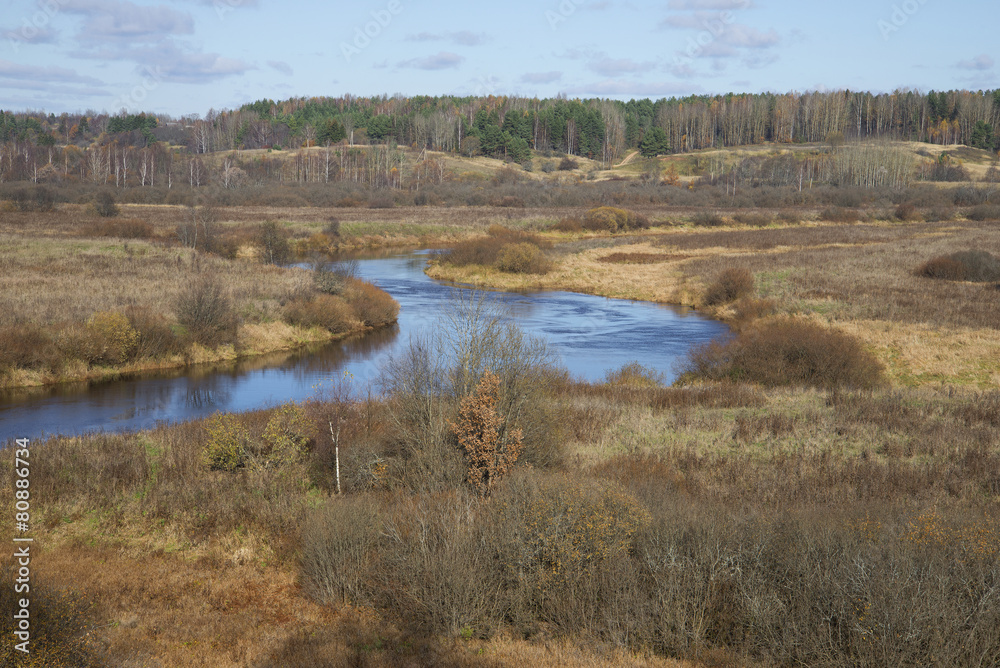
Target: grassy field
x=85, y=298
x=835, y=519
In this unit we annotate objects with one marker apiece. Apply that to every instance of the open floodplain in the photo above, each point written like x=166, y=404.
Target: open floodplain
x=819, y=485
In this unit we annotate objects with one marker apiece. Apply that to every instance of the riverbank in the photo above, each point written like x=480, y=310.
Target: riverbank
x=858, y=278
x=86, y=300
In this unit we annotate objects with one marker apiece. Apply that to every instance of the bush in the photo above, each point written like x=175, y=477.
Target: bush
x=568, y=225
x=27, y=346
x=568, y=164
x=122, y=229
x=839, y=215
x=484, y=251
x=611, y=219
x=522, y=258
x=155, y=336
x=707, y=219
x=752, y=219
x=788, y=352
x=232, y=445
x=634, y=374
x=339, y=543
x=273, y=243
x=330, y=312
x=373, y=306
x=984, y=212
x=734, y=283
x=114, y=337
x=104, y=204
x=906, y=212
x=205, y=309
x=971, y=265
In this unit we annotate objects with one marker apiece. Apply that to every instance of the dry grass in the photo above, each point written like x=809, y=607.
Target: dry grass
x=57, y=271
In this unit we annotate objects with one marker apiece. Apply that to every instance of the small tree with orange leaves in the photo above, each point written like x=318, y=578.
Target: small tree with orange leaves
x=490, y=447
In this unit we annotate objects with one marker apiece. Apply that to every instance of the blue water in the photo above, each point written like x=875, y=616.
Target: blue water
x=590, y=335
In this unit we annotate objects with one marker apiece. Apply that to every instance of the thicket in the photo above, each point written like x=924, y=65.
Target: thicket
x=971, y=265
x=507, y=249
x=788, y=352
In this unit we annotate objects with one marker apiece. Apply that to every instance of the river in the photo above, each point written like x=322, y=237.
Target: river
x=591, y=335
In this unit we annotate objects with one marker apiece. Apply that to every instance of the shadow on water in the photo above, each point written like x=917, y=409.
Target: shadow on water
x=590, y=334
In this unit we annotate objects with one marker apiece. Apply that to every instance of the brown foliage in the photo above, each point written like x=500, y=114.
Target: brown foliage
x=490, y=449
x=789, y=352
x=206, y=310
x=734, y=283
x=372, y=305
x=330, y=312
x=522, y=258
x=972, y=265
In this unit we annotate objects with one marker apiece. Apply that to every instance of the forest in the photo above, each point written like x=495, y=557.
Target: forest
x=129, y=150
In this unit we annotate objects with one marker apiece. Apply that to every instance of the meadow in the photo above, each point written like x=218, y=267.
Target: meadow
x=822, y=489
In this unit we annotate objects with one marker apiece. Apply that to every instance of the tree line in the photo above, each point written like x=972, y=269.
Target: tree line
x=99, y=146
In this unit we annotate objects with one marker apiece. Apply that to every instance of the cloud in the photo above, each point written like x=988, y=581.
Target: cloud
x=649, y=89
x=461, y=38
x=612, y=67
x=709, y=4
x=980, y=63
x=439, y=61
x=37, y=74
x=29, y=34
x=541, y=77
x=281, y=66
x=121, y=21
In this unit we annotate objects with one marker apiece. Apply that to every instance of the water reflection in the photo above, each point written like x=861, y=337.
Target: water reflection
x=590, y=334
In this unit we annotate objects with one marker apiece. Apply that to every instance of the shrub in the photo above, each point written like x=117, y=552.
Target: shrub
x=155, y=336
x=971, y=265
x=383, y=201
x=114, y=337
x=232, y=445
x=906, y=212
x=330, y=312
x=707, y=219
x=942, y=267
x=229, y=443
x=273, y=243
x=522, y=258
x=839, y=215
x=339, y=544
x=790, y=217
x=634, y=374
x=752, y=219
x=205, y=309
x=788, y=352
x=568, y=225
x=122, y=229
x=27, y=346
x=611, y=219
x=734, y=283
x=491, y=445
x=373, y=306
x=485, y=250
x=984, y=212
x=568, y=164
x=104, y=204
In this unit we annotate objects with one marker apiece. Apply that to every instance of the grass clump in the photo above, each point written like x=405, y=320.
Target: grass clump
x=788, y=352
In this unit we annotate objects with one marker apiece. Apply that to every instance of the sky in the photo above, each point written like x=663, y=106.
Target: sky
x=186, y=57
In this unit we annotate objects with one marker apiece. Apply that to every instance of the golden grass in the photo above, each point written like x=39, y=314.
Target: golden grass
x=857, y=277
